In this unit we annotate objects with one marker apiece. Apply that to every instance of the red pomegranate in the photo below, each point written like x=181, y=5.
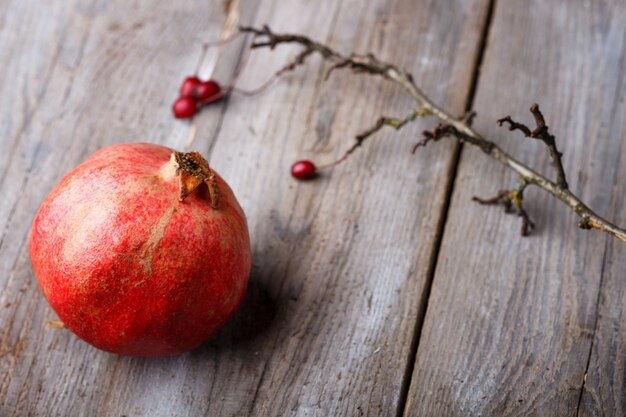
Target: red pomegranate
x=142, y=250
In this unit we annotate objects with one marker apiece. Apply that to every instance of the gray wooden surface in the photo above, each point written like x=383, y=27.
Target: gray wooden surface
x=511, y=322
x=377, y=290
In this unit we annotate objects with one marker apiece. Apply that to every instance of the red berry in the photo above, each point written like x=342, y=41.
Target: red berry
x=188, y=87
x=303, y=170
x=184, y=108
x=208, y=92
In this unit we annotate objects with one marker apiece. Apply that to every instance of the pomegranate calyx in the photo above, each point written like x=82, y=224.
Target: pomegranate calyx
x=193, y=170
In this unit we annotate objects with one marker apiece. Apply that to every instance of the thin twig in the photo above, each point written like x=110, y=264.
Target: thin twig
x=458, y=128
x=380, y=123
x=513, y=203
x=257, y=90
x=541, y=133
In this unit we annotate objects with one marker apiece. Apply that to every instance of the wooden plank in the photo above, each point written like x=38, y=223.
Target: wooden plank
x=604, y=389
x=510, y=321
x=340, y=265
x=332, y=255
x=328, y=324
x=84, y=74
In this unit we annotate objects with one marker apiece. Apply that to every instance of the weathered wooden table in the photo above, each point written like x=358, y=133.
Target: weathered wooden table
x=379, y=289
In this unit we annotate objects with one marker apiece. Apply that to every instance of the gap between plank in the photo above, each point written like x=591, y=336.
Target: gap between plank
x=595, y=328
x=456, y=157
x=597, y=313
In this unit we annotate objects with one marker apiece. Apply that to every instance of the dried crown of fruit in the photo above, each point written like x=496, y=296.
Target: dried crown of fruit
x=194, y=170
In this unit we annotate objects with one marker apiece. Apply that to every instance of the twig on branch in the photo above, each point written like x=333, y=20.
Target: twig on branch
x=468, y=118
x=459, y=128
x=440, y=131
x=541, y=133
x=265, y=38
x=382, y=121
x=513, y=203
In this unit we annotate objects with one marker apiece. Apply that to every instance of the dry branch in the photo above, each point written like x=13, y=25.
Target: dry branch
x=459, y=128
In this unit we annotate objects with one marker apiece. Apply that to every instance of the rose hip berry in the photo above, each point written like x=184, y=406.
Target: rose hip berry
x=195, y=93
x=184, y=108
x=303, y=170
x=207, y=92
x=188, y=87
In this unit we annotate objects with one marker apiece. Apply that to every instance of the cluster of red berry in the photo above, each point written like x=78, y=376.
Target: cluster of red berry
x=195, y=93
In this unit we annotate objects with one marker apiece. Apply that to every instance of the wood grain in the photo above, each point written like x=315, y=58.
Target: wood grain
x=84, y=74
x=340, y=265
x=510, y=321
x=604, y=388
x=332, y=254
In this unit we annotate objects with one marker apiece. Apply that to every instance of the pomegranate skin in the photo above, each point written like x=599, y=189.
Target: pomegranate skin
x=128, y=267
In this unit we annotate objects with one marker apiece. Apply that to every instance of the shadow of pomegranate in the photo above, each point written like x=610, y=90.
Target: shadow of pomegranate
x=254, y=317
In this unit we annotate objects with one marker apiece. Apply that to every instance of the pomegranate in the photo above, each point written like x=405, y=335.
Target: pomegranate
x=142, y=250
